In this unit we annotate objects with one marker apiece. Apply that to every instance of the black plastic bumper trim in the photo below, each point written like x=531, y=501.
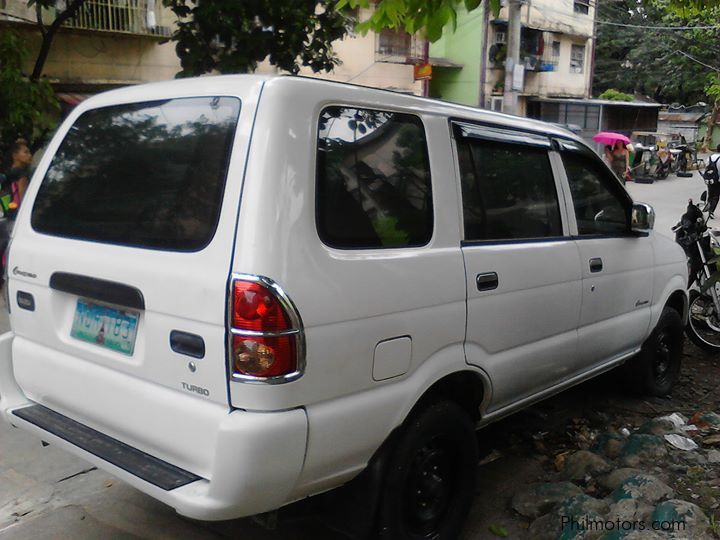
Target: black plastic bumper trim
x=136, y=462
x=98, y=289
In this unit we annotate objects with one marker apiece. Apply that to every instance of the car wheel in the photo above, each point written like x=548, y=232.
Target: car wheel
x=657, y=368
x=430, y=478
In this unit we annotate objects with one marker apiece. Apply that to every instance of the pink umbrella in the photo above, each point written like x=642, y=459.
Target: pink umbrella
x=608, y=137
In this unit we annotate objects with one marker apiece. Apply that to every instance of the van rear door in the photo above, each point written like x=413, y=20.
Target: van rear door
x=125, y=243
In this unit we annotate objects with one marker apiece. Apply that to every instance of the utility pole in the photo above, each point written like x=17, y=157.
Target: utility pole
x=510, y=101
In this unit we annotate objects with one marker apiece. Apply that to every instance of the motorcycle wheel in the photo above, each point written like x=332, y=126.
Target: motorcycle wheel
x=703, y=326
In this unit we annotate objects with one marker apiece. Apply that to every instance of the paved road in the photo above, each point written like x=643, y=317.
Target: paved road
x=669, y=198
x=45, y=493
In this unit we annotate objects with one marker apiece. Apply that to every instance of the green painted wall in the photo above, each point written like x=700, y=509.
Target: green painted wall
x=715, y=134
x=463, y=46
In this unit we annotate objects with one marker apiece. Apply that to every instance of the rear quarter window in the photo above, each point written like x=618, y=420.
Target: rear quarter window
x=373, y=180
x=147, y=175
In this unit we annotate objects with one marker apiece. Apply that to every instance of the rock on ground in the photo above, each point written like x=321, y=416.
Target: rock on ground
x=537, y=499
x=608, y=444
x=644, y=487
x=643, y=448
x=632, y=510
x=583, y=463
x=682, y=519
x=613, y=480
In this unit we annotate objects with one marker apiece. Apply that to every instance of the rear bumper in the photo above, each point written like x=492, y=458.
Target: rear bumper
x=246, y=462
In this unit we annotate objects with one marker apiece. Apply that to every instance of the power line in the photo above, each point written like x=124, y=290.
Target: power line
x=695, y=60
x=644, y=27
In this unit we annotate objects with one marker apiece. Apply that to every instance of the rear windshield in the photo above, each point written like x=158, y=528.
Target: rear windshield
x=147, y=175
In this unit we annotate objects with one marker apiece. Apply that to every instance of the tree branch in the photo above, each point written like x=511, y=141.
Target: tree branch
x=49, y=35
x=38, y=14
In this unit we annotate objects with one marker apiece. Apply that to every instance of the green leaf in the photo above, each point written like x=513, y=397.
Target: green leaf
x=472, y=4
x=710, y=282
x=497, y=530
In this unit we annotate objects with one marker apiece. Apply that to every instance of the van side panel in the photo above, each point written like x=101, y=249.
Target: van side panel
x=386, y=293
x=349, y=300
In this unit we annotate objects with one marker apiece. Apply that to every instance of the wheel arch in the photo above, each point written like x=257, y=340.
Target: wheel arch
x=678, y=300
x=469, y=389
x=674, y=295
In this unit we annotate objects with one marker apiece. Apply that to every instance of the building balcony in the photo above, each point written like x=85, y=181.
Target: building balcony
x=136, y=17
x=129, y=17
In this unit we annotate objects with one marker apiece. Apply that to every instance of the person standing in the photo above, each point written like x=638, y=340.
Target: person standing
x=620, y=160
x=712, y=179
x=18, y=176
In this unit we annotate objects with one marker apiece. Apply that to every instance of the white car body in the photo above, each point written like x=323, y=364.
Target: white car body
x=381, y=326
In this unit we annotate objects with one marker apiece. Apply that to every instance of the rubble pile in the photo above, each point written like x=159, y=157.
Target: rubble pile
x=657, y=481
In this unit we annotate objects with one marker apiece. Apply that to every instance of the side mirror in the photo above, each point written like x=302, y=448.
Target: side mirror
x=643, y=217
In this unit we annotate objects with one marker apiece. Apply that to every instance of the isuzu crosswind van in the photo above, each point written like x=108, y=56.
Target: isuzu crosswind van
x=236, y=292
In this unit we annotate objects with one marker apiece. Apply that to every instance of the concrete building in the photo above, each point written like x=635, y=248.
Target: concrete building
x=114, y=43
x=109, y=43
x=380, y=60
x=556, y=52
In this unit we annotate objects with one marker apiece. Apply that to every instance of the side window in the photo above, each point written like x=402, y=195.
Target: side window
x=508, y=191
x=373, y=179
x=599, y=206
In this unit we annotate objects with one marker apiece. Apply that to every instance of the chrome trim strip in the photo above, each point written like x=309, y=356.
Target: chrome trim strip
x=256, y=333
x=297, y=330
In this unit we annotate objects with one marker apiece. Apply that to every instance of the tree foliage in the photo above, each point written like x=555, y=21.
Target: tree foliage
x=669, y=66
x=694, y=5
x=615, y=95
x=25, y=105
x=233, y=36
x=428, y=18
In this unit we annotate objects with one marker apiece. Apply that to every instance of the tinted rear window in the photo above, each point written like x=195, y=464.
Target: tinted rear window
x=373, y=180
x=146, y=175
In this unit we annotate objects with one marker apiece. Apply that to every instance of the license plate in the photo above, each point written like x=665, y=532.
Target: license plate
x=108, y=327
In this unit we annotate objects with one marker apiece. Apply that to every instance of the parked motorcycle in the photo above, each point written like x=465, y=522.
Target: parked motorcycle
x=686, y=159
x=702, y=247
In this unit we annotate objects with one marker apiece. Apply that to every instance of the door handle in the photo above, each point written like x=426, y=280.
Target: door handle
x=596, y=265
x=487, y=281
x=187, y=344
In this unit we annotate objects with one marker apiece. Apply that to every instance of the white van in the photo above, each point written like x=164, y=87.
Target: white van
x=236, y=292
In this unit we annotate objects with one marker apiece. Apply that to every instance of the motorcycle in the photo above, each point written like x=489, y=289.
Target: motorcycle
x=664, y=163
x=686, y=158
x=702, y=247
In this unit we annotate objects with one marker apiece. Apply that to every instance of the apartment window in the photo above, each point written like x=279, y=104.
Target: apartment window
x=394, y=43
x=577, y=59
x=555, y=58
x=500, y=37
x=581, y=6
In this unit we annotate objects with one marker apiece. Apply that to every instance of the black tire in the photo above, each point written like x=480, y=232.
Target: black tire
x=657, y=368
x=693, y=332
x=430, y=478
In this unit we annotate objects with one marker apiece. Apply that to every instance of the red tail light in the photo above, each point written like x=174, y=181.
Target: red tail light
x=266, y=331
x=256, y=308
